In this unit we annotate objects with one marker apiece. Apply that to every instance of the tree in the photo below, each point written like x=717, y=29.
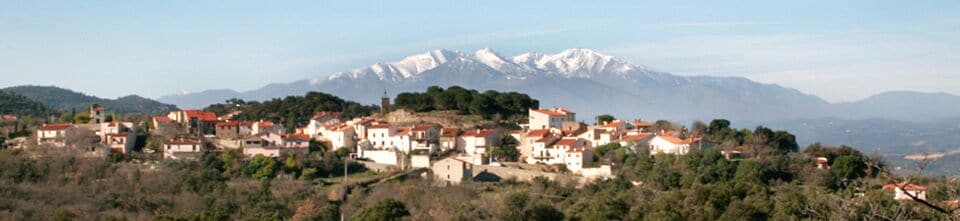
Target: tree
x=262, y=167
x=317, y=146
x=605, y=118
x=849, y=167
x=385, y=210
x=507, y=151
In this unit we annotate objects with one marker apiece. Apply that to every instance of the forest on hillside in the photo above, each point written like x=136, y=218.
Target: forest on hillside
x=490, y=104
x=292, y=111
x=15, y=104
x=66, y=100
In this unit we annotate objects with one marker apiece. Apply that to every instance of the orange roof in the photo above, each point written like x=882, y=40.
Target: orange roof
x=200, y=115
x=477, y=133
x=422, y=127
x=55, y=126
x=905, y=187
x=449, y=131
x=566, y=142
x=549, y=112
x=538, y=133
x=326, y=113
x=642, y=124
x=235, y=124
x=544, y=139
x=183, y=141
x=297, y=136
x=264, y=123
x=636, y=137
x=379, y=126
x=676, y=140
x=162, y=119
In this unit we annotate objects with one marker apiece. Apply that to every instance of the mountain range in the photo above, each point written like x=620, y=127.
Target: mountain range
x=594, y=83
x=67, y=100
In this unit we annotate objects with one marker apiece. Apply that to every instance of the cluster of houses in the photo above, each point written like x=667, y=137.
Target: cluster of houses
x=117, y=136
x=551, y=137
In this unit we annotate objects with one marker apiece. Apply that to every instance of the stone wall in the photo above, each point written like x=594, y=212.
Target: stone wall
x=528, y=175
x=444, y=118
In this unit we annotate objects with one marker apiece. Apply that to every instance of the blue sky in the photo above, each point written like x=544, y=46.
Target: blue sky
x=839, y=50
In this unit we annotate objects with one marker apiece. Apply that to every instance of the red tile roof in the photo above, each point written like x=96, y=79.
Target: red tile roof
x=200, y=115
x=636, y=137
x=477, y=133
x=325, y=114
x=642, y=124
x=549, y=112
x=264, y=123
x=379, y=126
x=566, y=142
x=449, y=131
x=55, y=126
x=905, y=187
x=675, y=140
x=162, y=119
x=235, y=124
x=422, y=127
x=297, y=136
x=182, y=140
x=538, y=133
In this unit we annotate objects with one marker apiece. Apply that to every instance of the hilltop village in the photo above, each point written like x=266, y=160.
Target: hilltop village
x=552, y=144
x=321, y=156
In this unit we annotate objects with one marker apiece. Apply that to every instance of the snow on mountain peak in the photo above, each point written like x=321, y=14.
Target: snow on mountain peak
x=576, y=62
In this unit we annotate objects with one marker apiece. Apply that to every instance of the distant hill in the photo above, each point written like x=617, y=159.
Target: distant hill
x=68, y=100
x=12, y=103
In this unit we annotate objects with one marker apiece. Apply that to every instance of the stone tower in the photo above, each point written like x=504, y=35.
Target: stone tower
x=384, y=103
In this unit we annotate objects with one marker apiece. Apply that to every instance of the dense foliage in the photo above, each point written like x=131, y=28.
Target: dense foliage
x=69, y=101
x=489, y=104
x=294, y=111
x=12, y=103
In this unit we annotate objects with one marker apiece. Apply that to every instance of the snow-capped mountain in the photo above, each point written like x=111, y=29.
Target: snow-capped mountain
x=583, y=79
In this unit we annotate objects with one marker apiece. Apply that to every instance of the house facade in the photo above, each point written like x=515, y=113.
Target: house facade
x=182, y=148
x=53, y=134
x=549, y=118
x=665, y=144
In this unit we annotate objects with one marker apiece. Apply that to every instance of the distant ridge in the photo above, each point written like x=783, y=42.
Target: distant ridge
x=67, y=100
x=593, y=83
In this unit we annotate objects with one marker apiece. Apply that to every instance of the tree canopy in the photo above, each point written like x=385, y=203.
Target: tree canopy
x=488, y=104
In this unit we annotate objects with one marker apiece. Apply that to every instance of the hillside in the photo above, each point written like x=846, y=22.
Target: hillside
x=293, y=110
x=12, y=103
x=68, y=100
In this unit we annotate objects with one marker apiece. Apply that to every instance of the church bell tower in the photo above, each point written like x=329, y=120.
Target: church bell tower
x=385, y=103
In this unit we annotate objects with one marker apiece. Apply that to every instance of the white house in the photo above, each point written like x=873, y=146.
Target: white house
x=549, y=118
x=321, y=120
x=182, y=148
x=673, y=145
x=479, y=141
x=572, y=152
x=54, y=134
x=451, y=171
x=339, y=136
x=901, y=191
